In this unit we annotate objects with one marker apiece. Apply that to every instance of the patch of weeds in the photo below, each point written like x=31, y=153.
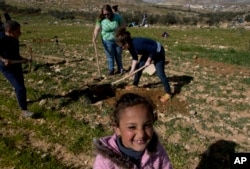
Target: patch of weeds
x=170, y=126
x=204, y=125
x=82, y=142
x=218, y=129
x=240, y=123
x=221, y=103
x=37, y=109
x=238, y=107
x=242, y=89
x=213, y=114
x=177, y=154
x=187, y=133
x=238, y=96
x=230, y=56
x=200, y=101
x=245, y=81
x=12, y=155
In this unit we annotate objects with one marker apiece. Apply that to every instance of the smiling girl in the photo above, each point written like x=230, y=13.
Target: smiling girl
x=135, y=144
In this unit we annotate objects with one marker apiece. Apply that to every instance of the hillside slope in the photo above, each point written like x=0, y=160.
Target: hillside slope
x=128, y=5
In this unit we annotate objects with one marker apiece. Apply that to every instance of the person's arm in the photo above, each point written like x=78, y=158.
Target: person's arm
x=96, y=32
x=24, y=59
x=101, y=163
x=164, y=158
x=8, y=62
x=5, y=61
x=148, y=61
x=134, y=55
x=133, y=66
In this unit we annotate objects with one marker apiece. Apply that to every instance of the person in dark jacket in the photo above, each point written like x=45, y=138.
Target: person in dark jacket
x=149, y=50
x=1, y=26
x=115, y=9
x=10, y=63
x=7, y=16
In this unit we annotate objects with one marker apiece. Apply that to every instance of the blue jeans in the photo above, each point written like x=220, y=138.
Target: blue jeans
x=114, y=54
x=159, y=62
x=14, y=74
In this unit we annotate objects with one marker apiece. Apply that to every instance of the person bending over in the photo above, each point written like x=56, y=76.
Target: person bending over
x=149, y=50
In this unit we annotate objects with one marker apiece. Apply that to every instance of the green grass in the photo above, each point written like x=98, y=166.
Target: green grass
x=67, y=118
x=24, y=157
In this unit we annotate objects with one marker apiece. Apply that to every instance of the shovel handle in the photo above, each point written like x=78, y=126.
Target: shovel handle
x=97, y=60
x=129, y=75
x=17, y=61
x=30, y=58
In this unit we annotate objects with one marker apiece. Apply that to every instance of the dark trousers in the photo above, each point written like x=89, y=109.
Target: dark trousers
x=159, y=62
x=15, y=76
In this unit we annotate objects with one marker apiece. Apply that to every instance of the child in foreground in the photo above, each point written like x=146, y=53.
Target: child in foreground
x=135, y=144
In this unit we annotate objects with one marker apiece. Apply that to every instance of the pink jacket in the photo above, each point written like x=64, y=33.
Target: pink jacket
x=109, y=157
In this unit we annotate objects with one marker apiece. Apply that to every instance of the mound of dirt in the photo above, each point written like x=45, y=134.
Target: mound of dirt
x=172, y=106
x=154, y=90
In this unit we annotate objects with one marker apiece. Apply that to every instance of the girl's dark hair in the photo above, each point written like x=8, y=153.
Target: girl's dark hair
x=7, y=17
x=11, y=25
x=106, y=8
x=129, y=100
x=123, y=36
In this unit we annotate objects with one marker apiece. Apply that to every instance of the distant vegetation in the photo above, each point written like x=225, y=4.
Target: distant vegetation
x=171, y=17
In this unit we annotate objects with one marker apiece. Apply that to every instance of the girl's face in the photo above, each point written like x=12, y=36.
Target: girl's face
x=135, y=127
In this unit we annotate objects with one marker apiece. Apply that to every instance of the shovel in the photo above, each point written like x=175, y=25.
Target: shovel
x=98, y=65
x=106, y=90
x=30, y=58
x=117, y=81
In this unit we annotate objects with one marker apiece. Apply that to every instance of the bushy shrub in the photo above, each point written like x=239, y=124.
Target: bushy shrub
x=247, y=18
x=26, y=10
x=61, y=15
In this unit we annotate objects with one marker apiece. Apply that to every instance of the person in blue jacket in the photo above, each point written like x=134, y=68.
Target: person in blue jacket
x=1, y=27
x=12, y=71
x=149, y=50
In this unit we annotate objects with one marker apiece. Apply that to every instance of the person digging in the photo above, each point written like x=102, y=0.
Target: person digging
x=149, y=50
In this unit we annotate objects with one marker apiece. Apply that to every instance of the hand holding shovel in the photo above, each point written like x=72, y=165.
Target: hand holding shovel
x=113, y=83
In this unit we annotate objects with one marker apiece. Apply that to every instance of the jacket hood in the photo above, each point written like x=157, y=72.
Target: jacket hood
x=108, y=148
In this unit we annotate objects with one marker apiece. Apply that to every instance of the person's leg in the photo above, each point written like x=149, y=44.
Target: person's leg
x=159, y=63
x=109, y=51
x=118, y=58
x=141, y=63
x=17, y=81
x=159, y=66
x=15, y=77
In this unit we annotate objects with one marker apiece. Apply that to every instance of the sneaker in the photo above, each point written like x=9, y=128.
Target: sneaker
x=130, y=87
x=26, y=113
x=120, y=72
x=165, y=97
